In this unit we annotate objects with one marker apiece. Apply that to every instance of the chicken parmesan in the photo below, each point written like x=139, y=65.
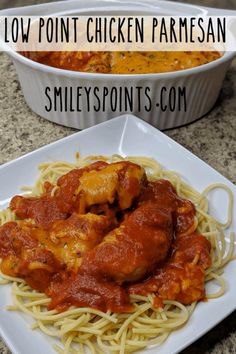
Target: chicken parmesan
x=109, y=238
x=124, y=62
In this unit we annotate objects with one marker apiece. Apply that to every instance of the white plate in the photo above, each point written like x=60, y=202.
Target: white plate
x=126, y=135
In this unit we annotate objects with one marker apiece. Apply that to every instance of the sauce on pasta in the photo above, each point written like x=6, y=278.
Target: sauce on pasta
x=103, y=232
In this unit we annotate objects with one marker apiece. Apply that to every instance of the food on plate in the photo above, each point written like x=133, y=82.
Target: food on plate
x=124, y=62
x=110, y=253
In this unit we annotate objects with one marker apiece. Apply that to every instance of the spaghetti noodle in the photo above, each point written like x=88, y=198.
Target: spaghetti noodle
x=79, y=329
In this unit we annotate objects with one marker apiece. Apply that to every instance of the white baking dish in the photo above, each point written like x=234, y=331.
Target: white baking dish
x=202, y=83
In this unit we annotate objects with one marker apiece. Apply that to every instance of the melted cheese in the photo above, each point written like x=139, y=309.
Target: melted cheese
x=124, y=62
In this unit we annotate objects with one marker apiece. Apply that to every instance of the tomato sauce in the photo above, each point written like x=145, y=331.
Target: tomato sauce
x=106, y=232
x=124, y=62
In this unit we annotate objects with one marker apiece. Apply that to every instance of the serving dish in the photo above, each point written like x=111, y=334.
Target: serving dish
x=202, y=84
x=120, y=136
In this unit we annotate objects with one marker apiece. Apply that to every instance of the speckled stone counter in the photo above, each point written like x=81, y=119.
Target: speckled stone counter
x=212, y=138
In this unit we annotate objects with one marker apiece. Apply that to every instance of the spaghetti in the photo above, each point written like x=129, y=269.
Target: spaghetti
x=79, y=329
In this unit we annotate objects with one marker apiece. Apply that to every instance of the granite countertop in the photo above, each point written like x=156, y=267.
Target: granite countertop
x=212, y=138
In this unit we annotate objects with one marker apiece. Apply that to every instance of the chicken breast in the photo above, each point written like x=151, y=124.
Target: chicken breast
x=129, y=252
x=126, y=254
x=80, y=189
x=36, y=254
